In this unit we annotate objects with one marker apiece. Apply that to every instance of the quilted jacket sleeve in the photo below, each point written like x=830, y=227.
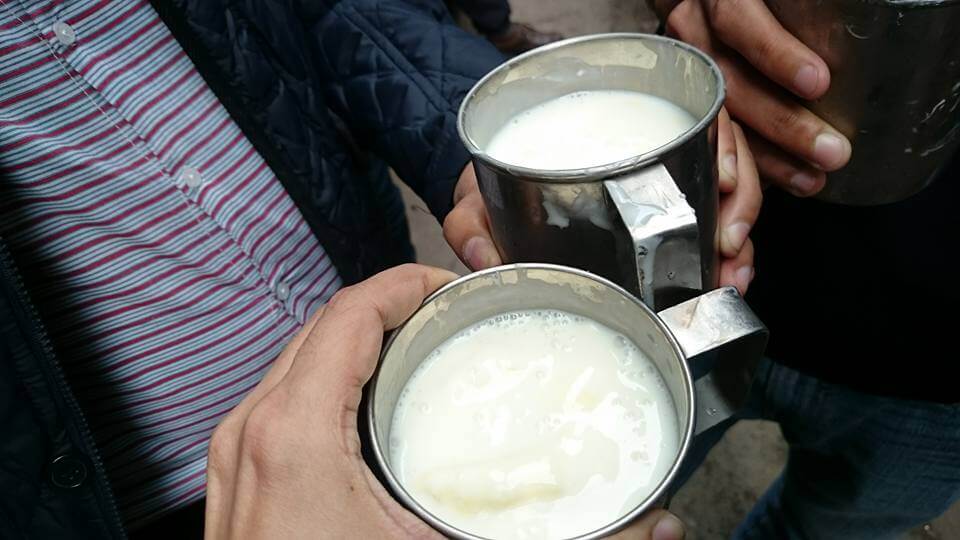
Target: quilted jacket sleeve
x=396, y=72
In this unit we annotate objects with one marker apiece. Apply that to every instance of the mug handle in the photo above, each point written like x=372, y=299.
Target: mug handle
x=723, y=340
x=664, y=235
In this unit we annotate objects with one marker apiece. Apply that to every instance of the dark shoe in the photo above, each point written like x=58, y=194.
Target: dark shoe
x=519, y=38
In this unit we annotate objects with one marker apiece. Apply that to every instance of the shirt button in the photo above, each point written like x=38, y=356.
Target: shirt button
x=191, y=177
x=283, y=291
x=68, y=472
x=64, y=33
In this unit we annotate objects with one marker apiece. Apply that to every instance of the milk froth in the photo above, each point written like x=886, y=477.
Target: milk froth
x=533, y=424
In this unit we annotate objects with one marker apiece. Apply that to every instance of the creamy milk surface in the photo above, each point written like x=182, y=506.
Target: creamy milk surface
x=587, y=129
x=533, y=424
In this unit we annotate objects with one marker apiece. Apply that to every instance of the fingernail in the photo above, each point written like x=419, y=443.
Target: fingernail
x=480, y=253
x=807, y=81
x=831, y=151
x=668, y=528
x=804, y=183
x=734, y=236
x=729, y=164
x=743, y=276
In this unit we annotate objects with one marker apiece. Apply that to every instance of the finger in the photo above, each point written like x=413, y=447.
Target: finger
x=739, y=210
x=467, y=227
x=759, y=104
x=654, y=525
x=687, y=21
x=467, y=230
x=726, y=152
x=325, y=380
x=739, y=271
x=777, y=117
x=750, y=28
x=785, y=172
x=385, y=300
x=466, y=184
x=345, y=343
x=663, y=8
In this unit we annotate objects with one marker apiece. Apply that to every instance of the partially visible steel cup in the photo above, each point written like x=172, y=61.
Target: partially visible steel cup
x=894, y=92
x=704, y=348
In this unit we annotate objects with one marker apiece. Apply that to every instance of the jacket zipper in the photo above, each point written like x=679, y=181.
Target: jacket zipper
x=54, y=372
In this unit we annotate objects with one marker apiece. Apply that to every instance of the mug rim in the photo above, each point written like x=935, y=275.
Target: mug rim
x=686, y=436
x=597, y=172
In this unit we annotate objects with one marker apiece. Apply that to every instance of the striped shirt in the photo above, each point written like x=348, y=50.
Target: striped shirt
x=169, y=263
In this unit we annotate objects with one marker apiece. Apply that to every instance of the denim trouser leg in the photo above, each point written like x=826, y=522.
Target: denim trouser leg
x=704, y=442
x=859, y=466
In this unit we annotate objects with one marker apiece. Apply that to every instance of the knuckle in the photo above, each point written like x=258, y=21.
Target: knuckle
x=731, y=25
x=267, y=437
x=357, y=305
x=787, y=121
x=221, y=450
x=682, y=22
x=722, y=14
x=466, y=216
x=453, y=218
x=410, y=268
x=346, y=297
x=399, y=275
x=763, y=51
x=413, y=274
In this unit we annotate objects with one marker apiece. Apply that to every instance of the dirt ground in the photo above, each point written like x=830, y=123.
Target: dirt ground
x=752, y=454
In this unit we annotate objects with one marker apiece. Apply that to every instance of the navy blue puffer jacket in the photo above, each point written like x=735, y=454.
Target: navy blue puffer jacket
x=328, y=91
x=325, y=88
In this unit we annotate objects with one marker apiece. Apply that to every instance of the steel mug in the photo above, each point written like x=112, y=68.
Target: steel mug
x=716, y=334
x=648, y=222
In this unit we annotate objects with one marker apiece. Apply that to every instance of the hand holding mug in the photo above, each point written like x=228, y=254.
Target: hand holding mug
x=767, y=71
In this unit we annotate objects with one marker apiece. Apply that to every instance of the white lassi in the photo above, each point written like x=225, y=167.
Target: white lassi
x=587, y=129
x=533, y=424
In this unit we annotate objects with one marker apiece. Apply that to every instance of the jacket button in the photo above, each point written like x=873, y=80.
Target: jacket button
x=68, y=472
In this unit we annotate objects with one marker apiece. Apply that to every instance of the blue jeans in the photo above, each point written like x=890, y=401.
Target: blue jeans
x=859, y=466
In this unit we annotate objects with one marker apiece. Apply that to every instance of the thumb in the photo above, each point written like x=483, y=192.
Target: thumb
x=467, y=227
x=753, y=31
x=345, y=341
x=389, y=297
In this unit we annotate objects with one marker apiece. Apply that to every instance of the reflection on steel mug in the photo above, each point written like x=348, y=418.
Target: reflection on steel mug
x=894, y=91
x=647, y=222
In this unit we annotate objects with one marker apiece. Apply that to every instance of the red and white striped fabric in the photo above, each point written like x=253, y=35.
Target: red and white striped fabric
x=174, y=267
